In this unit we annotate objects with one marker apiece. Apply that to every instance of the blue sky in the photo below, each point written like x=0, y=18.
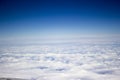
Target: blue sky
x=58, y=18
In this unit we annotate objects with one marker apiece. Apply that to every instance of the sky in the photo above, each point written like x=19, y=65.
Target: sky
x=58, y=18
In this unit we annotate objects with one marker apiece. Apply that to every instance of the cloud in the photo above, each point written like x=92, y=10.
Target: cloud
x=73, y=61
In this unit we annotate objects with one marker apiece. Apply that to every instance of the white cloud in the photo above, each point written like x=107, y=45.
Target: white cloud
x=73, y=61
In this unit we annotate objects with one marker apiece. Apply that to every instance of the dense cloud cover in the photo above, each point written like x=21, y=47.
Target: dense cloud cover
x=98, y=60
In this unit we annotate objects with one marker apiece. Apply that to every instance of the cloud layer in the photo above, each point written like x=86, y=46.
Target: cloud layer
x=71, y=61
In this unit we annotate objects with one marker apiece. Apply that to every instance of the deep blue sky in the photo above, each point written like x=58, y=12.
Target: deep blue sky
x=58, y=18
